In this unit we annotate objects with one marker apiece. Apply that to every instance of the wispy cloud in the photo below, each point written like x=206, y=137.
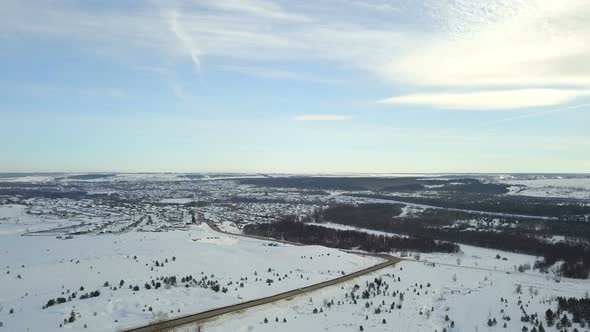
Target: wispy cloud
x=259, y=8
x=489, y=100
x=325, y=117
x=276, y=73
x=185, y=39
x=264, y=72
x=375, y=5
x=538, y=113
x=453, y=45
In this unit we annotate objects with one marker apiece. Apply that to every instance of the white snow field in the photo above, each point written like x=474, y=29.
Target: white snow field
x=469, y=302
x=36, y=269
x=551, y=187
x=470, y=287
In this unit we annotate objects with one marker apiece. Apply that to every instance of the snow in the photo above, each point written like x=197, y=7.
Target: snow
x=551, y=187
x=27, y=178
x=476, y=257
x=177, y=200
x=357, y=229
x=469, y=301
x=49, y=266
x=229, y=227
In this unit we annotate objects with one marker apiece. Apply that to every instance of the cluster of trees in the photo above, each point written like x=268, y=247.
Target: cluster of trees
x=276, y=320
x=53, y=302
x=330, y=183
x=553, y=318
x=73, y=295
x=91, y=176
x=290, y=230
x=534, y=206
x=579, y=308
x=374, y=216
x=369, y=299
x=430, y=226
x=384, y=184
x=90, y=295
x=26, y=193
x=576, y=256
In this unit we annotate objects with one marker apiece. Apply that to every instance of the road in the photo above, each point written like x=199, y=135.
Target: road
x=209, y=314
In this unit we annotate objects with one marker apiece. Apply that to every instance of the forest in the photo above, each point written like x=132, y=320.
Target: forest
x=380, y=184
x=579, y=308
x=523, y=205
x=576, y=255
x=290, y=230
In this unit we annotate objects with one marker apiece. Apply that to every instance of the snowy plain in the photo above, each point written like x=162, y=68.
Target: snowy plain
x=578, y=188
x=467, y=294
x=35, y=269
x=467, y=286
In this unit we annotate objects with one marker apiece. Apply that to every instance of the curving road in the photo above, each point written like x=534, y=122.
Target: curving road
x=209, y=314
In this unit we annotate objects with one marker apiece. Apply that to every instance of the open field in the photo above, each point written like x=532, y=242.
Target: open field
x=105, y=252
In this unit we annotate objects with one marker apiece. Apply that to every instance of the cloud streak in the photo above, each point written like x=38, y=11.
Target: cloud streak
x=185, y=39
x=324, y=117
x=489, y=100
x=258, y=8
x=539, y=113
x=448, y=47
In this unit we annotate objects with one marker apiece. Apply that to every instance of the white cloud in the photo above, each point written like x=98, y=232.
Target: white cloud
x=264, y=72
x=185, y=39
x=276, y=73
x=438, y=45
x=489, y=100
x=322, y=118
x=525, y=43
x=260, y=8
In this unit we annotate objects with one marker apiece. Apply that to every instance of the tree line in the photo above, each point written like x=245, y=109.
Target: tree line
x=576, y=255
x=290, y=230
x=534, y=206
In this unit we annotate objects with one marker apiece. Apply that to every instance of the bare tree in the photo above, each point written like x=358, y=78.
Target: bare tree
x=158, y=321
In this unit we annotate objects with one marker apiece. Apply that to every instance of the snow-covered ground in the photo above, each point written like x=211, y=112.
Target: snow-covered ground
x=353, y=228
x=35, y=269
x=551, y=187
x=468, y=296
x=229, y=227
x=469, y=287
x=177, y=200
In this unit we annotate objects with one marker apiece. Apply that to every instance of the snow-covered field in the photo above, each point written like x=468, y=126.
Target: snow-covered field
x=551, y=187
x=471, y=287
x=36, y=269
x=229, y=227
x=468, y=296
x=483, y=258
x=353, y=228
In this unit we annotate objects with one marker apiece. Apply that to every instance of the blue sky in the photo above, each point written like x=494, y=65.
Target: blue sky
x=295, y=86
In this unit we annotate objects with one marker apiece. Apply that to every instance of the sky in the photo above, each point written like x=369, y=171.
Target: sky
x=326, y=86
